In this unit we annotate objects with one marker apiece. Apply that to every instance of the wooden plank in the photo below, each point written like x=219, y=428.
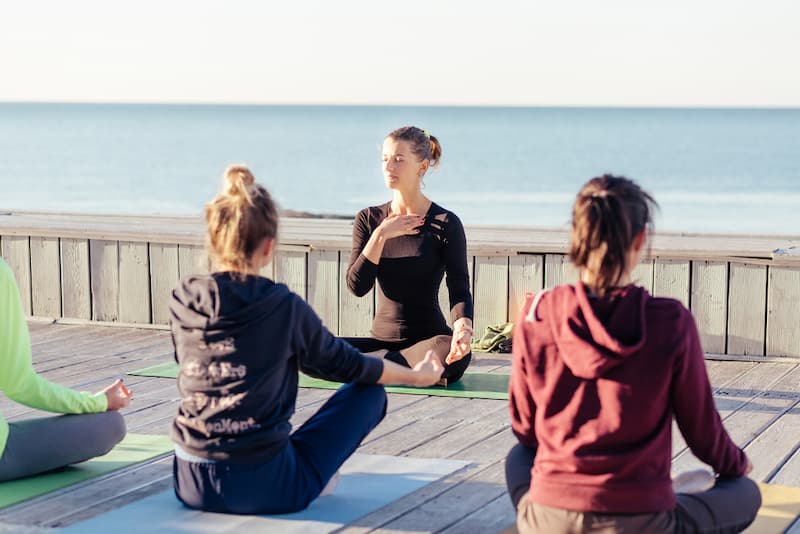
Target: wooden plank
x=134, y=283
x=490, y=292
x=355, y=313
x=192, y=259
x=17, y=253
x=290, y=269
x=709, y=300
x=104, y=268
x=747, y=309
x=558, y=270
x=164, y=276
x=789, y=473
x=671, y=279
x=323, y=286
x=525, y=274
x=45, y=277
x=496, y=516
x=76, y=289
x=783, y=312
x=642, y=275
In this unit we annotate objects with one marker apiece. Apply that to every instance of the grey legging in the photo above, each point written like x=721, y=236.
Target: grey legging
x=729, y=507
x=47, y=443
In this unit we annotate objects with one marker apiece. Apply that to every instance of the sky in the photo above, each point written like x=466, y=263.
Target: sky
x=436, y=52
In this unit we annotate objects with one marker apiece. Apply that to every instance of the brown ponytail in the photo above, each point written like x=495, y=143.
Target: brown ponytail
x=609, y=212
x=239, y=218
x=423, y=145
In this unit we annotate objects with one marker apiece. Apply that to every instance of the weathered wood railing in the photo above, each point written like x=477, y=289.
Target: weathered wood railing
x=744, y=297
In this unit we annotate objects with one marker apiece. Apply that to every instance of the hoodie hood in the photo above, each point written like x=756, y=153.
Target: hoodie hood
x=594, y=334
x=217, y=303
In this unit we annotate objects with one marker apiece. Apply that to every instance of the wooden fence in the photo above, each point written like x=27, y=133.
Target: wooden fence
x=744, y=291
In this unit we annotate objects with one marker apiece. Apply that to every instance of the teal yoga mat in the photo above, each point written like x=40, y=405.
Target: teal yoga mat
x=368, y=482
x=133, y=449
x=471, y=385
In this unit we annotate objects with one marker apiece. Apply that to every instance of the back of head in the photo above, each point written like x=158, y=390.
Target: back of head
x=609, y=212
x=423, y=144
x=239, y=218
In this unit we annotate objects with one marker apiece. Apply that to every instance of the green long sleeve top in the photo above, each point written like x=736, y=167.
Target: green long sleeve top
x=18, y=380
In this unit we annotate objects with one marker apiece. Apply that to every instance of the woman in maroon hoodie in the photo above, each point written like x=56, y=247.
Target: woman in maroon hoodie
x=600, y=370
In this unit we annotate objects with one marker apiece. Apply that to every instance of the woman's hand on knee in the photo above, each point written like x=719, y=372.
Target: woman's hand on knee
x=461, y=345
x=118, y=395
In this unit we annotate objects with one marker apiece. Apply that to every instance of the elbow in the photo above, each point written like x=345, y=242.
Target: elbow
x=355, y=288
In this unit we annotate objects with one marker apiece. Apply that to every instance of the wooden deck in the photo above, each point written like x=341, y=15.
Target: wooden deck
x=759, y=401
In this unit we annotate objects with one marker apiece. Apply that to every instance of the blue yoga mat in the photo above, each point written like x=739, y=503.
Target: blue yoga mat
x=368, y=482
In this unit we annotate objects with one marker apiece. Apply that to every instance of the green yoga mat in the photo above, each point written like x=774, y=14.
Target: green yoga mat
x=134, y=448
x=471, y=385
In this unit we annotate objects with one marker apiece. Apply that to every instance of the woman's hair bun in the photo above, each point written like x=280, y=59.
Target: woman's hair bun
x=238, y=181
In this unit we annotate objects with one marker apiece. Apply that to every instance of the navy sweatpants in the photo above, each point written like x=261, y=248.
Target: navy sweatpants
x=296, y=476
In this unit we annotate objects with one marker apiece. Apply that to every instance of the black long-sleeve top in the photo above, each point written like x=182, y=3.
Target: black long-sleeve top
x=239, y=344
x=410, y=272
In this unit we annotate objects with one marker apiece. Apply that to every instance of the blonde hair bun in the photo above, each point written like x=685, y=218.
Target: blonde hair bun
x=239, y=182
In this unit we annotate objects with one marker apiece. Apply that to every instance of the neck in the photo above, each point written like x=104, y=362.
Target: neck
x=248, y=270
x=410, y=203
x=590, y=280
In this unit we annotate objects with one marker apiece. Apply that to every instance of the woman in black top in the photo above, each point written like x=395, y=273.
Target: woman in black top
x=240, y=340
x=408, y=245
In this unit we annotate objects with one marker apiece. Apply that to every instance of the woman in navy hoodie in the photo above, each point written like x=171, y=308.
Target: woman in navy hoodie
x=240, y=340
x=600, y=370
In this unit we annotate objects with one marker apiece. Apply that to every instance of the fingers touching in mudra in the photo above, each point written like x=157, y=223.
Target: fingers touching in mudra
x=118, y=395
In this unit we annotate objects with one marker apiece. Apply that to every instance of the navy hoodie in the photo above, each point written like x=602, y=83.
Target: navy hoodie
x=596, y=383
x=240, y=343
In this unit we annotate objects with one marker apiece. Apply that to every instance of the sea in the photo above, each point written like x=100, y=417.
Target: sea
x=732, y=171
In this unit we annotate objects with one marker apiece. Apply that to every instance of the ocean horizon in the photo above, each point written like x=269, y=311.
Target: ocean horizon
x=715, y=170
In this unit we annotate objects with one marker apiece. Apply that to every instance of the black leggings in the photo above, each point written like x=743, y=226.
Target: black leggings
x=452, y=372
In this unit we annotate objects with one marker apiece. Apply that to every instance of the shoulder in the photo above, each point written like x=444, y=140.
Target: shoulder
x=442, y=214
x=447, y=219
x=374, y=212
x=667, y=309
x=371, y=216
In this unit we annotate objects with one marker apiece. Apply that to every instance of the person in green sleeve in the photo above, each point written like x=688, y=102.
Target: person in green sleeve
x=26, y=447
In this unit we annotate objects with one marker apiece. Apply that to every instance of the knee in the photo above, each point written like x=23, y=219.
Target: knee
x=456, y=370
x=519, y=462
x=520, y=457
x=369, y=396
x=114, y=430
x=751, y=495
x=377, y=397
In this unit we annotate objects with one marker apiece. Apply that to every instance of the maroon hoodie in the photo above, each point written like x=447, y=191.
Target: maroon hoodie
x=596, y=383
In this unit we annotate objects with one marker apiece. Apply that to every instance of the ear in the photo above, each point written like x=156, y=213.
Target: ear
x=266, y=249
x=423, y=168
x=639, y=240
